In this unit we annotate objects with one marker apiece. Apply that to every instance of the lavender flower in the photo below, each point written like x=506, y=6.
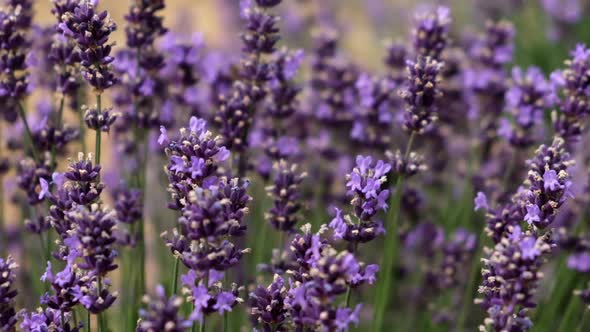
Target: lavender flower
x=420, y=94
x=261, y=33
x=128, y=204
x=333, y=81
x=205, y=293
x=395, y=60
x=67, y=286
x=99, y=121
x=162, y=314
x=48, y=320
x=548, y=183
x=143, y=23
x=329, y=275
x=267, y=306
x=91, y=31
x=510, y=278
x=430, y=34
x=574, y=82
x=194, y=157
x=8, y=317
x=456, y=252
x=372, y=123
x=92, y=236
x=486, y=79
x=529, y=95
x=286, y=195
x=29, y=178
x=14, y=45
x=406, y=167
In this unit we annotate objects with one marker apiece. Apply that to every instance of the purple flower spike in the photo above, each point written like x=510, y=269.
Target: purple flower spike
x=91, y=31
x=162, y=314
x=14, y=23
x=286, y=195
x=195, y=156
x=421, y=94
x=8, y=317
x=267, y=305
x=430, y=35
x=511, y=276
x=574, y=81
x=548, y=183
x=526, y=99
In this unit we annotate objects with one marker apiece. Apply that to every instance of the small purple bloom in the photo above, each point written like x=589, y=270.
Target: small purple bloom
x=481, y=202
x=224, y=303
x=550, y=180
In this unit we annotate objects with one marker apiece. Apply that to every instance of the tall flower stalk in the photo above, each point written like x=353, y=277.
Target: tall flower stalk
x=420, y=94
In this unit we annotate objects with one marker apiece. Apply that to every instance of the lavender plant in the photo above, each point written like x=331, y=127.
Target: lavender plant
x=287, y=172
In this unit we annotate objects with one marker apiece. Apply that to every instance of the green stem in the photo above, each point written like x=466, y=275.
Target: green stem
x=347, y=301
x=383, y=291
x=583, y=321
x=22, y=113
x=98, y=132
x=88, y=321
x=58, y=121
x=99, y=316
x=82, y=132
x=175, y=277
x=475, y=268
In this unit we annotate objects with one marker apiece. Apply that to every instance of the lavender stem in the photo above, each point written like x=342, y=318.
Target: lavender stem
x=98, y=132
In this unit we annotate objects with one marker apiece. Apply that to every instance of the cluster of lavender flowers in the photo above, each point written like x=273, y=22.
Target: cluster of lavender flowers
x=353, y=161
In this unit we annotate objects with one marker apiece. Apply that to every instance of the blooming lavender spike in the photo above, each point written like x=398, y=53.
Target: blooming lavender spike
x=529, y=95
x=162, y=314
x=286, y=196
x=8, y=317
x=91, y=30
x=67, y=286
x=511, y=274
x=14, y=45
x=421, y=94
x=548, y=183
x=574, y=81
x=372, y=123
x=48, y=320
x=144, y=25
x=430, y=34
x=267, y=305
x=195, y=157
x=92, y=236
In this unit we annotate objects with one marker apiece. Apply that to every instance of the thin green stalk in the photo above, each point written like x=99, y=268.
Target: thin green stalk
x=225, y=313
x=473, y=274
x=202, y=326
x=175, y=276
x=88, y=322
x=569, y=314
x=22, y=113
x=58, y=120
x=99, y=316
x=383, y=290
x=98, y=132
x=347, y=301
x=583, y=321
x=82, y=132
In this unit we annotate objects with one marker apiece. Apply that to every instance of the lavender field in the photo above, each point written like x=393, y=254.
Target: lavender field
x=294, y=165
